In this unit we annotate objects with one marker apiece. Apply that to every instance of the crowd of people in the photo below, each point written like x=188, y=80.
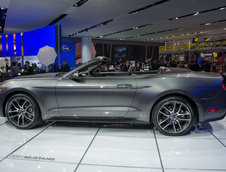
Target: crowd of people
x=205, y=66
x=119, y=66
x=64, y=68
x=17, y=69
x=29, y=69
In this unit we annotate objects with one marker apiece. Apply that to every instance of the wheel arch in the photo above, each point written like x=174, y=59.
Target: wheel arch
x=194, y=105
x=17, y=91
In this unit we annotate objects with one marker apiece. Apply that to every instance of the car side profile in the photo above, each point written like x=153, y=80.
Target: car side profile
x=170, y=98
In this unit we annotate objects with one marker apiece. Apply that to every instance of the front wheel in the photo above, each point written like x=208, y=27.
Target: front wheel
x=173, y=116
x=22, y=111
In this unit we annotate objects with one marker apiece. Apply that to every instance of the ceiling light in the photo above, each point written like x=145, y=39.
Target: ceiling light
x=177, y=18
x=197, y=13
x=134, y=28
x=200, y=12
x=80, y=3
x=188, y=33
x=201, y=32
x=3, y=12
x=94, y=26
x=148, y=6
x=207, y=24
x=60, y=17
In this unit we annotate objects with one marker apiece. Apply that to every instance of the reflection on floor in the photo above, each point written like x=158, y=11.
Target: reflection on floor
x=69, y=147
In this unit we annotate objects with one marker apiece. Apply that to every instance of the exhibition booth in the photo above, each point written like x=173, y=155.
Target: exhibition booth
x=112, y=86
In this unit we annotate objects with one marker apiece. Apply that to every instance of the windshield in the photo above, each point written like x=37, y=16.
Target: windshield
x=88, y=63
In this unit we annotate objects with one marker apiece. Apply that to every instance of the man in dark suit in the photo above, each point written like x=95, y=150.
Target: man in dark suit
x=28, y=70
x=65, y=67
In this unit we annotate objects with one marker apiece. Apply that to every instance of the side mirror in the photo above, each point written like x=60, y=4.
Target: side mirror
x=76, y=77
x=76, y=74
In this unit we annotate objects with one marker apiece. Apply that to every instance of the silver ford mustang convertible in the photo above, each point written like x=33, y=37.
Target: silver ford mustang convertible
x=170, y=98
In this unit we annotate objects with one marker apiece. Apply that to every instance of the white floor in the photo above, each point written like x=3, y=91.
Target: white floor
x=69, y=147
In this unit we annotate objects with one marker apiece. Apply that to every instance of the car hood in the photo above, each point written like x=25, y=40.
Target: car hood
x=41, y=76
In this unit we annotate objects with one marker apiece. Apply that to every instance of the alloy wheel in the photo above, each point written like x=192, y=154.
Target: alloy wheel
x=174, y=117
x=21, y=112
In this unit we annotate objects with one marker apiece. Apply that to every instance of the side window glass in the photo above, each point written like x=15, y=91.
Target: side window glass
x=88, y=71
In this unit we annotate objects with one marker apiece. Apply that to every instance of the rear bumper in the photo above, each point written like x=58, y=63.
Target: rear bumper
x=215, y=119
x=218, y=103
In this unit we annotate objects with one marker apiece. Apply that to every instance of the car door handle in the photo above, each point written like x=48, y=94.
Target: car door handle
x=121, y=86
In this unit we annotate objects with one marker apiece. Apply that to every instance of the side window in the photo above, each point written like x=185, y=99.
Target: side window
x=102, y=68
x=88, y=71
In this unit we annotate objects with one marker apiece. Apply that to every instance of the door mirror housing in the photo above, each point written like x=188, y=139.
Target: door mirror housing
x=76, y=77
x=76, y=74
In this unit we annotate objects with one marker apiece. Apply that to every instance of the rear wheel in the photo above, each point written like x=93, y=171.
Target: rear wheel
x=173, y=116
x=22, y=111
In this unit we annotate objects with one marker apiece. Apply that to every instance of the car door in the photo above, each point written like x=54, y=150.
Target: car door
x=118, y=93
x=107, y=96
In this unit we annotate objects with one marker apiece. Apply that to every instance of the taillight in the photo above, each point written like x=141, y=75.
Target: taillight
x=213, y=110
x=223, y=85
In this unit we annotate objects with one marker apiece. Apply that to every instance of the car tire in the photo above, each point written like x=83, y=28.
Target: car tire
x=173, y=116
x=22, y=111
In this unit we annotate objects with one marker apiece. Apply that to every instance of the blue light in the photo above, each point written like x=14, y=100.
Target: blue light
x=200, y=59
x=36, y=39
x=18, y=44
x=10, y=45
x=68, y=54
x=4, y=54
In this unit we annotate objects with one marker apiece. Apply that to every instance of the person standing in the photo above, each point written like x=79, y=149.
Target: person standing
x=214, y=66
x=28, y=70
x=19, y=67
x=206, y=66
x=181, y=64
x=14, y=70
x=65, y=67
x=155, y=65
x=60, y=68
x=126, y=67
x=7, y=67
x=162, y=63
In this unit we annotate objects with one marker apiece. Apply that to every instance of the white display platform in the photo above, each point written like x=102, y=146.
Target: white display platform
x=70, y=147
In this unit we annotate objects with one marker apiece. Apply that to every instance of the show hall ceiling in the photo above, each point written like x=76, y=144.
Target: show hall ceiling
x=182, y=18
